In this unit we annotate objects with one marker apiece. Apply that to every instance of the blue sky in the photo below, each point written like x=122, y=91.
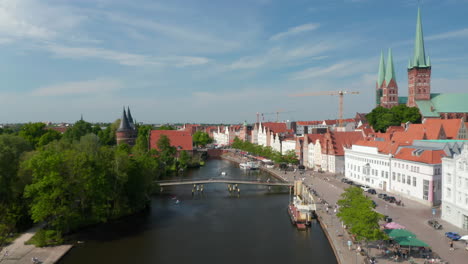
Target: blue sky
x=214, y=61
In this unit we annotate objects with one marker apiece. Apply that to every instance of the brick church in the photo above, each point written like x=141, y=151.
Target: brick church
x=430, y=105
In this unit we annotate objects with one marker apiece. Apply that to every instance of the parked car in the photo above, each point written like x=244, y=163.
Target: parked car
x=365, y=187
x=382, y=195
x=390, y=199
x=452, y=235
x=434, y=224
x=371, y=191
x=344, y=180
x=350, y=182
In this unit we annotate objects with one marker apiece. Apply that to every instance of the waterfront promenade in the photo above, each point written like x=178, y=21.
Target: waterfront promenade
x=414, y=216
x=19, y=253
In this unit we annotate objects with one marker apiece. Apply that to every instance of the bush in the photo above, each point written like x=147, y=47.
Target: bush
x=45, y=237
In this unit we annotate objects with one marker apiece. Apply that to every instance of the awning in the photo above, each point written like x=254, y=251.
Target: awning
x=394, y=233
x=393, y=225
x=410, y=241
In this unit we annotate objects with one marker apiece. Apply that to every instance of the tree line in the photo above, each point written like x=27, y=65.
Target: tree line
x=267, y=152
x=381, y=118
x=76, y=179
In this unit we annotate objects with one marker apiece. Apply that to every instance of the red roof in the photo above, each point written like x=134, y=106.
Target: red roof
x=451, y=126
x=313, y=137
x=308, y=123
x=58, y=129
x=384, y=147
x=180, y=139
x=424, y=156
x=276, y=127
x=345, y=140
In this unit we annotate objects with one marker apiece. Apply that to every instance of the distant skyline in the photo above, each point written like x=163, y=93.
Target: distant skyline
x=215, y=61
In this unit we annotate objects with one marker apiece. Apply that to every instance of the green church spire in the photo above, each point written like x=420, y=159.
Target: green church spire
x=381, y=76
x=390, y=73
x=419, y=59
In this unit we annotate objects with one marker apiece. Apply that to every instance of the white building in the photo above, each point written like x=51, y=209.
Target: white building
x=455, y=189
x=221, y=136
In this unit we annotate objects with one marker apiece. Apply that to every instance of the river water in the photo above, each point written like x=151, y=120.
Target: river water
x=213, y=227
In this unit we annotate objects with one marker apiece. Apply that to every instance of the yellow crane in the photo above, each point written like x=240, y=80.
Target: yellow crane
x=339, y=93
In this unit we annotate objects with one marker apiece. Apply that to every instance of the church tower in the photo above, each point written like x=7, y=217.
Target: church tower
x=126, y=133
x=386, y=87
x=419, y=69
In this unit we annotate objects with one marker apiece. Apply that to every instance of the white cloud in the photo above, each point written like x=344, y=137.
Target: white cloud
x=462, y=33
x=124, y=58
x=339, y=69
x=295, y=30
x=279, y=56
x=91, y=87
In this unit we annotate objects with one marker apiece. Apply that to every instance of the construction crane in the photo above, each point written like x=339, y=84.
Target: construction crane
x=272, y=113
x=340, y=105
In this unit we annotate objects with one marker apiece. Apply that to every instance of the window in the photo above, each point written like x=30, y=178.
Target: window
x=449, y=178
x=399, y=177
x=409, y=180
x=466, y=198
x=414, y=181
x=459, y=181
x=425, y=189
x=406, y=166
x=403, y=178
x=448, y=193
x=393, y=175
x=386, y=176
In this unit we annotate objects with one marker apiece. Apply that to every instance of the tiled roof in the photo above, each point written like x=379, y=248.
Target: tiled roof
x=276, y=127
x=330, y=122
x=58, y=129
x=344, y=140
x=443, y=103
x=384, y=147
x=308, y=123
x=314, y=137
x=182, y=140
x=451, y=126
x=424, y=156
x=414, y=132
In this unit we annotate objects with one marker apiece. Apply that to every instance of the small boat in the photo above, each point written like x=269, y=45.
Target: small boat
x=177, y=202
x=244, y=166
x=223, y=173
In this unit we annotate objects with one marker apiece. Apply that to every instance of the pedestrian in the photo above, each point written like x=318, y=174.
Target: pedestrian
x=349, y=244
x=451, y=245
x=326, y=209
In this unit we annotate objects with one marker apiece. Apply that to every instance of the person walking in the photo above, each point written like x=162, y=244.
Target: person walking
x=451, y=245
x=349, y=244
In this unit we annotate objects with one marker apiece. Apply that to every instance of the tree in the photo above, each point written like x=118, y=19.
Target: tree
x=49, y=136
x=32, y=132
x=184, y=159
x=356, y=212
x=79, y=129
x=166, y=127
x=381, y=118
x=142, y=141
x=107, y=135
x=166, y=152
x=201, y=138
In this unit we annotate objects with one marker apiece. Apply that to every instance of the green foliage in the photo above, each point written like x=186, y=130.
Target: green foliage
x=166, y=127
x=79, y=129
x=184, y=159
x=259, y=150
x=107, y=135
x=381, y=118
x=290, y=157
x=48, y=137
x=32, y=132
x=201, y=138
x=356, y=212
x=45, y=237
x=142, y=141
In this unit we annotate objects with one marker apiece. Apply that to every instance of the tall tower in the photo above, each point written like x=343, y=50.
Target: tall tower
x=380, y=80
x=389, y=86
x=419, y=69
x=125, y=133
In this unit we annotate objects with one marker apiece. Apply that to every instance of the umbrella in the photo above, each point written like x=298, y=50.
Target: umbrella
x=410, y=241
x=393, y=225
x=464, y=238
x=393, y=233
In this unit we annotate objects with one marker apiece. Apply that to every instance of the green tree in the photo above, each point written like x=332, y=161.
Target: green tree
x=184, y=159
x=201, y=138
x=166, y=152
x=32, y=132
x=356, y=212
x=381, y=118
x=290, y=157
x=49, y=136
x=79, y=129
x=107, y=135
x=166, y=127
x=142, y=141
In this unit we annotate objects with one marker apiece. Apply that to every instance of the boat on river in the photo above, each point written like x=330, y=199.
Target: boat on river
x=301, y=214
x=250, y=165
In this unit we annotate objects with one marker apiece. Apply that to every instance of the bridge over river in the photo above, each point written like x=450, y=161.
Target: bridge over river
x=221, y=180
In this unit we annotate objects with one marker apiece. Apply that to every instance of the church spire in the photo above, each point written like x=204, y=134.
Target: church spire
x=130, y=118
x=124, y=125
x=390, y=73
x=381, y=76
x=419, y=59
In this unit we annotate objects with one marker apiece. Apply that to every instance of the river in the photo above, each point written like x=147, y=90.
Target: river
x=213, y=227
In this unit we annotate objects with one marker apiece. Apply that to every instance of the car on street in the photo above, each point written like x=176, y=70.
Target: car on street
x=344, y=180
x=434, y=224
x=382, y=195
x=387, y=219
x=365, y=187
x=371, y=191
x=390, y=199
x=350, y=182
x=452, y=235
